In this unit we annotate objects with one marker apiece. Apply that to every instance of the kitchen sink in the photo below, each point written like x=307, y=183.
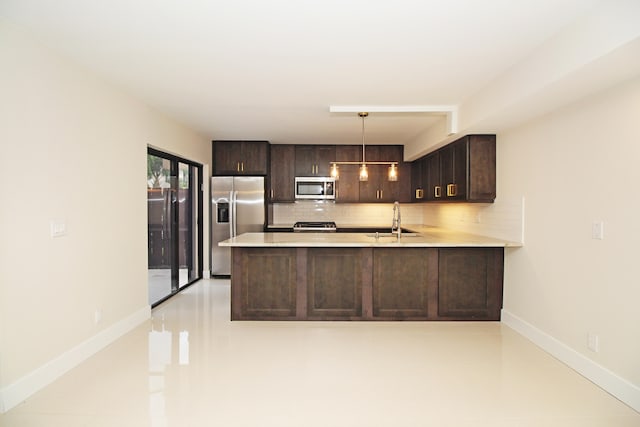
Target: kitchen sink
x=392, y=235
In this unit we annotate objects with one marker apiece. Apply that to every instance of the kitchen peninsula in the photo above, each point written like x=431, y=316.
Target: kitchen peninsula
x=429, y=274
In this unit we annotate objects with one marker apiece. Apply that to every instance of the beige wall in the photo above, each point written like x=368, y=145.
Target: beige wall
x=73, y=148
x=574, y=166
x=556, y=175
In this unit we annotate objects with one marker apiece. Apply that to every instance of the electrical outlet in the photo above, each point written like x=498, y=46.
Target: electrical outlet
x=593, y=342
x=597, y=230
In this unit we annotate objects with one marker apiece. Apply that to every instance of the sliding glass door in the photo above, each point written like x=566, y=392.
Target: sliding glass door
x=174, y=206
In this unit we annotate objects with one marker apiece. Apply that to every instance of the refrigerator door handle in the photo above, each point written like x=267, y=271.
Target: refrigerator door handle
x=234, y=211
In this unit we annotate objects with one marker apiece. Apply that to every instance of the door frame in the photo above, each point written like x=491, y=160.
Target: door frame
x=175, y=220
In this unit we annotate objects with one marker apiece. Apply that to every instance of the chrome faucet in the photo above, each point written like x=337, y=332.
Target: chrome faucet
x=396, y=225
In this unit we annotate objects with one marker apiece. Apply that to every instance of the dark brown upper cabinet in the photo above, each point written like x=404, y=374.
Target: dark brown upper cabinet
x=313, y=160
x=282, y=173
x=418, y=183
x=463, y=171
x=240, y=157
x=378, y=189
x=348, y=185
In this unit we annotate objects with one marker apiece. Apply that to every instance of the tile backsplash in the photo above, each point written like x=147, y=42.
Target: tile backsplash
x=503, y=219
x=374, y=214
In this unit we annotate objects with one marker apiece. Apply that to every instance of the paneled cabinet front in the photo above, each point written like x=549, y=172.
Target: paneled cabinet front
x=463, y=171
x=334, y=283
x=378, y=188
x=348, y=185
x=282, y=173
x=404, y=280
x=240, y=157
x=470, y=283
x=264, y=283
x=313, y=160
x=353, y=283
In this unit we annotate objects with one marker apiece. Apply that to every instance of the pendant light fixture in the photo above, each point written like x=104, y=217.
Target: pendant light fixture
x=392, y=172
x=364, y=173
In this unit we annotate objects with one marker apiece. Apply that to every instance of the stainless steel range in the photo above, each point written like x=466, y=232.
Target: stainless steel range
x=317, y=226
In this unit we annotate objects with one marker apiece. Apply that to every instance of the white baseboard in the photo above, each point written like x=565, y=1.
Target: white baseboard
x=17, y=392
x=599, y=375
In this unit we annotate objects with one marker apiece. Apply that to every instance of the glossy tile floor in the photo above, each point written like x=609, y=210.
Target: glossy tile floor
x=191, y=366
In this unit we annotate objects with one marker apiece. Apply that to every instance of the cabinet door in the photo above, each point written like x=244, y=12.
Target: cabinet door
x=226, y=157
x=313, y=160
x=281, y=178
x=401, y=282
x=254, y=157
x=453, y=164
x=267, y=283
x=371, y=190
x=392, y=191
x=378, y=188
x=348, y=184
x=470, y=283
x=334, y=283
x=417, y=183
x=305, y=160
x=325, y=154
x=240, y=157
x=431, y=176
x=482, y=168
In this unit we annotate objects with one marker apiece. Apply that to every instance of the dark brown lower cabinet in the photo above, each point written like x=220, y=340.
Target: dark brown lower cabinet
x=266, y=285
x=334, y=283
x=470, y=283
x=402, y=279
x=366, y=283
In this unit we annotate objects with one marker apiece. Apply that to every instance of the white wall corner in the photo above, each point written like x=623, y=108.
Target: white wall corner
x=610, y=382
x=13, y=394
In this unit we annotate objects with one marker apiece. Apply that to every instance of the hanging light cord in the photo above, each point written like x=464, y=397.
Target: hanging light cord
x=363, y=115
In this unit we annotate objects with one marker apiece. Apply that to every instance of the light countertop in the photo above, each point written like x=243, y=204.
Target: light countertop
x=426, y=236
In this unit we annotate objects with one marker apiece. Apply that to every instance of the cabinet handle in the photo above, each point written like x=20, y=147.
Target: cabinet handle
x=437, y=193
x=242, y=169
x=419, y=193
x=272, y=194
x=452, y=190
x=237, y=166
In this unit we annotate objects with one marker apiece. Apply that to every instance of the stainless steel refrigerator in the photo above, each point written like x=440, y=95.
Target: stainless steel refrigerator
x=237, y=206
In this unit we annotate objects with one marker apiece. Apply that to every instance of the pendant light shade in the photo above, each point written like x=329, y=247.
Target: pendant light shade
x=364, y=173
x=393, y=172
x=334, y=171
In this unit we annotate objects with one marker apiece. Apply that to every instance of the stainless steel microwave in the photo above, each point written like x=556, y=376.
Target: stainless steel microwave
x=315, y=188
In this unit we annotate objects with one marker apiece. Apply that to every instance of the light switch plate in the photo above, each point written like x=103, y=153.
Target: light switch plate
x=597, y=230
x=58, y=228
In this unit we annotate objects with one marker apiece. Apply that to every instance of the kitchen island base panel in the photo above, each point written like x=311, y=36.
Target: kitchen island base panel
x=366, y=283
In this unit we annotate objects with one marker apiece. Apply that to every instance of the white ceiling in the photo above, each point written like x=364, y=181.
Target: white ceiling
x=257, y=69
